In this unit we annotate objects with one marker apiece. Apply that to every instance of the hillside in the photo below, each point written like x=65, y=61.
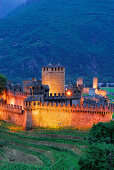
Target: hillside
x=7, y=5
x=78, y=34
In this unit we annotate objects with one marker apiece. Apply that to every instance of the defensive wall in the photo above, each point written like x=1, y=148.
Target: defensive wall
x=97, y=91
x=12, y=114
x=52, y=115
x=55, y=116
x=101, y=92
x=14, y=97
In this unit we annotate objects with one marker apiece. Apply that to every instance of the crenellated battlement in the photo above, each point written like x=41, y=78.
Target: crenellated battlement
x=57, y=95
x=11, y=108
x=62, y=96
x=16, y=94
x=78, y=108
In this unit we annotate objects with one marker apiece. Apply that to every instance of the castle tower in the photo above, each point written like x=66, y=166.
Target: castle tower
x=79, y=82
x=95, y=82
x=53, y=75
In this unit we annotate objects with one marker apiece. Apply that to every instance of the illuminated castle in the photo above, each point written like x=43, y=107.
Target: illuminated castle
x=53, y=75
x=46, y=103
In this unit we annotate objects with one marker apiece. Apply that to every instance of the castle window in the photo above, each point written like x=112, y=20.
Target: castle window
x=58, y=69
x=47, y=69
x=38, y=103
x=34, y=103
x=52, y=69
x=61, y=69
x=55, y=69
x=44, y=69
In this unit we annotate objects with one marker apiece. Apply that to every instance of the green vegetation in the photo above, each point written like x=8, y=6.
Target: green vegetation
x=108, y=89
x=57, y=149
x=100, y=153
x=111, y=96
x=51, y=149
x=86, y=95
x=3, y=81
x=68, y=32
x=102, y=132
x=98, y=157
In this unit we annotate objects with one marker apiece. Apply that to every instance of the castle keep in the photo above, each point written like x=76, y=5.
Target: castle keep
x=53, y=75
x=46, y=103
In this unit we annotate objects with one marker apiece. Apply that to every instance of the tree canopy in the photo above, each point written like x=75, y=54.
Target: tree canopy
x=98, y=157
x=3, y=81
x=99, y=154
x=102, y=132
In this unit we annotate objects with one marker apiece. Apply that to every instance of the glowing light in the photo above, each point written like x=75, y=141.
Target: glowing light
x=69, y=93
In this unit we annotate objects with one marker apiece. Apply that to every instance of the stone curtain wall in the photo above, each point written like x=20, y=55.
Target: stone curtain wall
x=85, y=117
x=53, y=116
x=14, y=98
x=12, y=114
x=101, y=92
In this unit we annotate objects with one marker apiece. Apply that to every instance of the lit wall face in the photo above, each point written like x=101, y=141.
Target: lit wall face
x=62, y=116
x=95, y=82
x=11, y=114
x=54, y=78
x=101, y=92
x=79, y=82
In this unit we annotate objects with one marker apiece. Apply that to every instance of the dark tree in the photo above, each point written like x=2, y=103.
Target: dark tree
x=98, y=156
x=3, y=81
x=102, y=132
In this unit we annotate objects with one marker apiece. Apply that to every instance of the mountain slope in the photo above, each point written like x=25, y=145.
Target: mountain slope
x=78, y=34
x=7, y=5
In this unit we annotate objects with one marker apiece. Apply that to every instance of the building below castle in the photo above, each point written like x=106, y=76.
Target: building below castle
x=46, y=103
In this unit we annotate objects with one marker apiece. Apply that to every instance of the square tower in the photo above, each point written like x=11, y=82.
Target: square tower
x=79, y=82
x=95, y=82
x=53, y=75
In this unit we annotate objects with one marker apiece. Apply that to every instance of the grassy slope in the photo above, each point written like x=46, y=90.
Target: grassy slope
x=68, y=32
x=54, y=152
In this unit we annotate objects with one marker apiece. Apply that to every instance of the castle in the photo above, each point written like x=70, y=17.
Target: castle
x=47, y=103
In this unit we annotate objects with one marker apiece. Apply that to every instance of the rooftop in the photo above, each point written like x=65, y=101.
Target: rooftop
x=32, y=98
x=36, y=83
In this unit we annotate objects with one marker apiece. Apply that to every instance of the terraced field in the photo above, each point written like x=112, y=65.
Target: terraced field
x=40, y=148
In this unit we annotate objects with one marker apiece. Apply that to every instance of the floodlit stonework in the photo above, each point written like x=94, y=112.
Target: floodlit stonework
x=47, y=104
x=53, y=75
